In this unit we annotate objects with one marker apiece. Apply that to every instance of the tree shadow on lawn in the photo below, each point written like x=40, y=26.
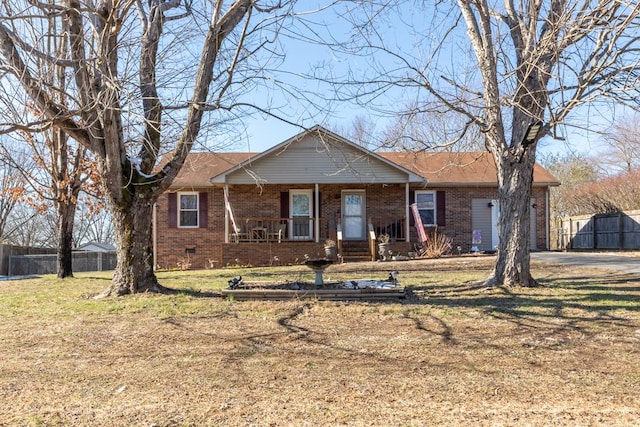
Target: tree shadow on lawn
x=549, y=316
x=556, y=308
x=619, y=292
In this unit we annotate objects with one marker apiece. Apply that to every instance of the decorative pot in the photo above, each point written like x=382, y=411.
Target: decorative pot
x=331, y=252
x=383, y=250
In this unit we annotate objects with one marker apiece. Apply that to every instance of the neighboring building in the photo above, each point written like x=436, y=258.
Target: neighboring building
x=96, y=247
x=281, y=205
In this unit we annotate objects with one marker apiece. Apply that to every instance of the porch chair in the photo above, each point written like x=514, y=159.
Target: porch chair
x=238, y=235
x=278, y=233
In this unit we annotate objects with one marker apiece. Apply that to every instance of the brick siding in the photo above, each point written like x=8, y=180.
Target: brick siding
x=205, y=247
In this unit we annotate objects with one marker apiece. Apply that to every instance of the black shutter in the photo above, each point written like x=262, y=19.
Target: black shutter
x=440, y=206
x=172, y=210
x=284, y=204
x=203, y=208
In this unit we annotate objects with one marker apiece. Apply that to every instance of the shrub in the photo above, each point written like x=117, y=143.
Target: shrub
x=437, y=244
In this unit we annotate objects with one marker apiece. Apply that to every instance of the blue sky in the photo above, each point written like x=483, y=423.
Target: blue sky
x=263, y=132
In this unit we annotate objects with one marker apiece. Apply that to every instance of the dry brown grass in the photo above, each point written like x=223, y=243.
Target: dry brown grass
x=566, y=353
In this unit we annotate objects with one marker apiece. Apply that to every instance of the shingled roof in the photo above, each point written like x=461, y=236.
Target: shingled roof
x=460, y=168
x=442, y=169
x=198, y=168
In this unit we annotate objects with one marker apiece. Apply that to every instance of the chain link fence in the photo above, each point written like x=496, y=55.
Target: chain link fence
x=24, y=265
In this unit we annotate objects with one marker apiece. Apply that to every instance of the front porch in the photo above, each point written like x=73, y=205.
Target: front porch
x=282, y=241
x=296, y=229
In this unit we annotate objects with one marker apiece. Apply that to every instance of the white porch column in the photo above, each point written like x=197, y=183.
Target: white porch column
x=226, y=216
x=316, y=212
x=406, y=213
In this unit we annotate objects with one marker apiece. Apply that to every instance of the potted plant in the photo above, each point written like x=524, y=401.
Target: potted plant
x=330, y=249
x=383, y=245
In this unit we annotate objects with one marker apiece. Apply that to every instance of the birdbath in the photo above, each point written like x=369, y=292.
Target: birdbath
x=318, y=265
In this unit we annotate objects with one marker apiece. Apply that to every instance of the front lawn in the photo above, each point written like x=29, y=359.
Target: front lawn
x=454, y=353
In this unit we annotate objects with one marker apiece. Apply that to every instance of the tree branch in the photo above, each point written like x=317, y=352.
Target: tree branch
x=45, y=104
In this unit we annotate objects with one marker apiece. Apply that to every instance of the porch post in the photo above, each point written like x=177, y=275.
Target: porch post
x=226, y=216
x=406, y=212
x=316, y=211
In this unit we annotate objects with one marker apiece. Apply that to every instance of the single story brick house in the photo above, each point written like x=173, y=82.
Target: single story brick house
x=281, y=205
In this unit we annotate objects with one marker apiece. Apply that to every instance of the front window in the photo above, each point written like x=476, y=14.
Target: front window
x=426, y=203
x=188, y=212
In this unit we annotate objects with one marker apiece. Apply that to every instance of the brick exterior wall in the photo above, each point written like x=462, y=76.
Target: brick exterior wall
x=458, y=222
x=172, y=244
x=205, y=247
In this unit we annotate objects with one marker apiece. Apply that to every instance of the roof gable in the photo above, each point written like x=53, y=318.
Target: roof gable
x=317, y=156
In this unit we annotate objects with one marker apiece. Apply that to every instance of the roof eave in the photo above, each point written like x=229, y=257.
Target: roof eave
x=191, y=185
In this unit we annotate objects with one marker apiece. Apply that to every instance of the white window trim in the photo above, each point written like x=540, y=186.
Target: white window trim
x=197, y=209
x=435, y=205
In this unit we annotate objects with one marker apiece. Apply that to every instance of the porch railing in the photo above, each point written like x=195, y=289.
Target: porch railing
x=391, y=225
x=262, y=229
x=278, y=230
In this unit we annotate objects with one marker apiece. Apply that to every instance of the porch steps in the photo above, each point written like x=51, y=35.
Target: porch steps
x=355, y=251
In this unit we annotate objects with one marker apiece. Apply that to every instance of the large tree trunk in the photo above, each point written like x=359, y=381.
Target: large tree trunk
x=126, y=147
x=66, y=215
x=512, y=267
x=134, y=270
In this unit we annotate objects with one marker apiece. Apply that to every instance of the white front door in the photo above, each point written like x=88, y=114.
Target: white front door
x=300, y=224
x=353, y=215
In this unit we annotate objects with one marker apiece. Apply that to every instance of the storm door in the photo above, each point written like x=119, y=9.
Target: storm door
x=353, y=215
x=301, y=223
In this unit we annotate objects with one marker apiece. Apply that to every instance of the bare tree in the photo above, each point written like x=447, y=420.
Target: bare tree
x=140, y=89
x=361, y=130
x=573, y=171
x=419, y=131
x=622, y=145
x=62, y=166
x=31, y=225
x=59, y=170
x=93, y=222
x=612, y=194
x=512, y=70
x=11, y=192
x=26, y=204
